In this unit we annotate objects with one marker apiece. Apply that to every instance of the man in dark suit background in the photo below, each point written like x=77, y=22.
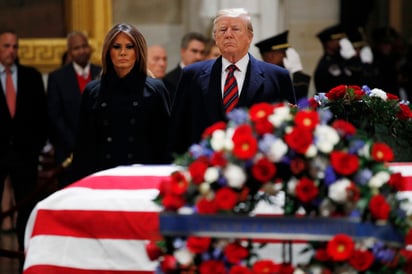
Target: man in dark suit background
x=23, y=127
x=64, y=89
x=192, y=49
x=276, y=50
x=199, y=96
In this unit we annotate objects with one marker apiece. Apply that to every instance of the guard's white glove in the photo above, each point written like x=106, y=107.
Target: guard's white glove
x=366, y=55
x=292, y=61
x=346, y=49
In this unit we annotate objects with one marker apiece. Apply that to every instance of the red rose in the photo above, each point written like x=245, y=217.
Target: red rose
x=169, y=264
x=306, y=190
x=209, y=131
x=344, y=128
x=226, y=198
x=264, y=267
x=397, y=181
x=153, y=250
x=379, y=207
x=299, y=139
x=340, y=247
x=173, y=202
x=344, y=163
x=218, y=159
x=358, y=93
x=308, y=119
x=263, y=170
x=381, y=152
x=321, y=255
x=206, y=206
x=337, y=92
x=198, y=245
x=263, y=127
x=391, y=96
x=178, y=184
x=240, y=269
x=404, y=112
x=197, y=170
x=212, y=266
x=235, y=253
x=361, y=260
x=244, y=143
x=297, y=165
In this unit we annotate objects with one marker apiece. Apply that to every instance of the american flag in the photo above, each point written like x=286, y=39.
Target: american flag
x=101, y=224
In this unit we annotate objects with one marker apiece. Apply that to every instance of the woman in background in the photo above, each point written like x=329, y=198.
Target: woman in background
x=124, y=116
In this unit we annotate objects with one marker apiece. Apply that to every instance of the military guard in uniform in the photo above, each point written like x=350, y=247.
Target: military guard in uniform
x=339, y=64
x=276, y=50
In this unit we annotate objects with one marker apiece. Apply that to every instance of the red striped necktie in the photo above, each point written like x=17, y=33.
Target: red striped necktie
x=230, y=93
x=10, y=93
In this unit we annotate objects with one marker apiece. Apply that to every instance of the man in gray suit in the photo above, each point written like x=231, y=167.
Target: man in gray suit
x=199, y=99
x=64, y=90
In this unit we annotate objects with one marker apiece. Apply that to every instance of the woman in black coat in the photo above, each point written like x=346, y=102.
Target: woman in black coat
x=124, y=116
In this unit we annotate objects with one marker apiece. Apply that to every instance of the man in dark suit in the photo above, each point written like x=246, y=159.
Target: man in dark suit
x=64, y=89
x=23, y=120
x=276, y=50
x=199, y=100
x=192, y=49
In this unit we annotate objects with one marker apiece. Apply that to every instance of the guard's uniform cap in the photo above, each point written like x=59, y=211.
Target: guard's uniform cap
x=357, y=37
x=276, y=42
x=331, y=33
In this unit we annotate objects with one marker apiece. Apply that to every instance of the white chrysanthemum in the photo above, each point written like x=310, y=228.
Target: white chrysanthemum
x=280, y=115
x=228, y=141
x=185, y=210
x=291, y=186
x=235, y=175
x=312, y=151
x=378, y=93
x=204, y=188
x=183, y=256
x=217, y=142
x=277, y=150
x=365, y=151
x=337, y=190
x=211, y=174
x=326, y=138
x=379, y=179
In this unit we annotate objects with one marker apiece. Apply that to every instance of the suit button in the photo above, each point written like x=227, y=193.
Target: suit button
x=103, y=104
x=135, y=103
x=109, y=139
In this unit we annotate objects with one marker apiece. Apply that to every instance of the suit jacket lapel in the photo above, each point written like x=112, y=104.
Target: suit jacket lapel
x=212, y=86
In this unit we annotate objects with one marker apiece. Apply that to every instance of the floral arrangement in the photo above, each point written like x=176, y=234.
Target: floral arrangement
x=381, y=116
x=320, y=165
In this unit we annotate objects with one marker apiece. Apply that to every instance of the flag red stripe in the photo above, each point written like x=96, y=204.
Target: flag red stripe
x=120, y=182
x=52, y=269
x=98, y=224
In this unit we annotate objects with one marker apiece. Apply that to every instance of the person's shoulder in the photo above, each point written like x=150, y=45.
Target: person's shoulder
x=265, y=66
x=28, y=69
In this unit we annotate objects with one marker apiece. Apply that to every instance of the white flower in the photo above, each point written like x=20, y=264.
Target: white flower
x=204, y=188
x=217, y=141
x=379, y=179
x=280, y=115
x=211, y=174
x=291, y=186
x=338, y=190
x=183, y=256
x=185, y=210
x=235, y=175
x=378, y=93
x=277, y=150
x=326, y=138
x=311, y=152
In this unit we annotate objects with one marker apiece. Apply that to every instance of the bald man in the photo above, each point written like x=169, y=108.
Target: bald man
x=157, y=61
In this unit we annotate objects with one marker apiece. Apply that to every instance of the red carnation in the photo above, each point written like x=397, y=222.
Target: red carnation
x=212, y=266
x=340, y=247
x=153, y=251
x=321, y=255
x=240, y=269
x=379, y=207
x=178, y=183
x=260, y=111
x=344, y=163
x=308, y=119
x=336, y=93
x=299, y=139
x=235, y=253
x=391, y=96
x=198, y=245
x=404, y=113
x=218, y=159
x=168, y=264
x=306, y=190
x=397, y=181
x=297, y=165
x=358, y=93
x=263, y=126
x=226, y=198
x=361, y=260
x=173, y=202
x=197, y=170
x=381, y=152
x=263, y=170
x=264, y=267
